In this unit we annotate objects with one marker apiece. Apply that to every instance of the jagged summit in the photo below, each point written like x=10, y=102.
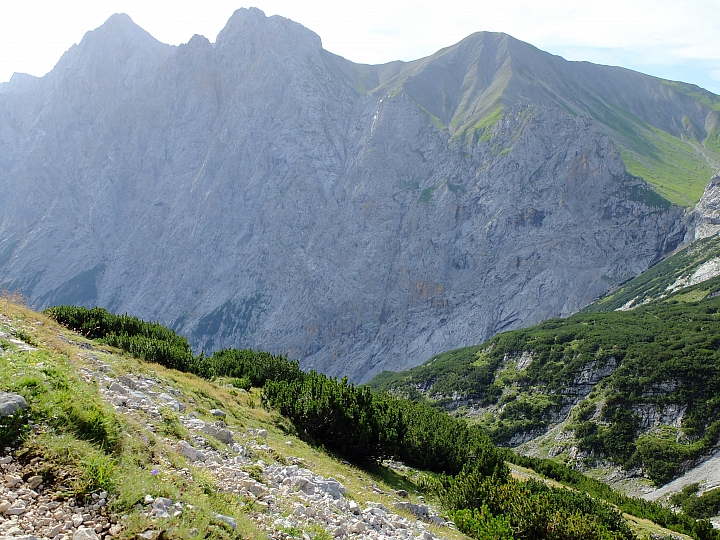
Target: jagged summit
x=117, y=53
x=249, y=30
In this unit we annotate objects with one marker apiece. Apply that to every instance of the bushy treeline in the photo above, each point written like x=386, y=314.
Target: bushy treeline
x=698, y=506
x=666, y=353
x=257, y=366
x=684, y=523
x=487, y=507
x=156, y=343
x=149, y=341
x=362, y=426
x=474, y=483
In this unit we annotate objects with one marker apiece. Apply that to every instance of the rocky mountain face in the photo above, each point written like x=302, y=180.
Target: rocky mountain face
x=705, y=217
x=262, y=192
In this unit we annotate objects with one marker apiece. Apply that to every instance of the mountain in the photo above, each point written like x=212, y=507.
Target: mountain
x=628, y=385
x=262, y=192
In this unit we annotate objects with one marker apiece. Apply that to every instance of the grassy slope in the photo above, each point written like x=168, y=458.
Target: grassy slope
x=652, y=284
x=678, y=168
x=88, y=446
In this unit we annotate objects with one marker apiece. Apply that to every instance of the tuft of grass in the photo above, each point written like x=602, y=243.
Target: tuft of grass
x=171, y=425
x=426, y=194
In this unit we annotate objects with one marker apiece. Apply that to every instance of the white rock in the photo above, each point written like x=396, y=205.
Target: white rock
x=85, y=533
x=171, y=402
x=227, y=520
x=12, y=480
x=189, y=452
x=358, y=527
x=17, y=509
x=34, y=481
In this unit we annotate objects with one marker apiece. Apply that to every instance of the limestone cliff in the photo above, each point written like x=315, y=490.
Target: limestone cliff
x=261, y=192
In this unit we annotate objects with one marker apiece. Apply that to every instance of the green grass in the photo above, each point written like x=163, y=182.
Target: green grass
x=700, y=95
x=712, y=142
x=673, y=167
x=479, y=126
x=434, y=120
x=86, y=446
x=426, y=194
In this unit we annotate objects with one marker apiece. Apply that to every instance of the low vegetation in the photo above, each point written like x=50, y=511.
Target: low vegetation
x=472, y=481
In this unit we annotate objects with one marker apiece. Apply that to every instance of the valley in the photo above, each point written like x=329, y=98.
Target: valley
x=624, y=390
x=472, y=295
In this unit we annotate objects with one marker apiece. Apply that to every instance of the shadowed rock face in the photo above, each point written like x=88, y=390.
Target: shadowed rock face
x=252, y=193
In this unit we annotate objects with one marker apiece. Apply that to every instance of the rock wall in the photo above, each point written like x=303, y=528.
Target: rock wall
x=249, y=194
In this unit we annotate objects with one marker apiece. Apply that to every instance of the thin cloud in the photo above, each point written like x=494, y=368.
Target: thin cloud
x=653, y=36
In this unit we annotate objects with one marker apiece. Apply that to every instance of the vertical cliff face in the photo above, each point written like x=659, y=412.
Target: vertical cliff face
x=253, y=192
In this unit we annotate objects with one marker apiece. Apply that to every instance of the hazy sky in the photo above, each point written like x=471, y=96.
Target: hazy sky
x=674, y=39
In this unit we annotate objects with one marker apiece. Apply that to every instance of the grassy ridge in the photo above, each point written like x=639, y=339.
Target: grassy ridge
x=654, y=283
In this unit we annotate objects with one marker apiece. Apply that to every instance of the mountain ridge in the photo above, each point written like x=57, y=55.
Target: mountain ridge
x=256, y=192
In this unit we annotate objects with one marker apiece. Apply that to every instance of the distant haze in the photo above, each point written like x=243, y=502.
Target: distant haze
x=666, y=38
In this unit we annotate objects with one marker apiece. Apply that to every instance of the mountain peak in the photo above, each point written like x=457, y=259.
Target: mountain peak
x=119, y=20
x=249, y=28
x=118, y=52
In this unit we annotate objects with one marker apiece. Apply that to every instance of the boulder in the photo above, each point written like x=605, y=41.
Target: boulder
x=230, y=522
x=189, y=452
x=221, y=434
x=85, y=533
x=10, y=403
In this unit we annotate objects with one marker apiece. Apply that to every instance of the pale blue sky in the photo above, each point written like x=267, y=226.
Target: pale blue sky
x=672, y=39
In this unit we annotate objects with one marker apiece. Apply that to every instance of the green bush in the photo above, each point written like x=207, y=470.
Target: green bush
x=705, y=506
x=256, y=366
x=14, y=428
x=531, y=509
x=362, y=426
x=650, y=510
x=149, y=341
x=243, y=383
x=480, y=524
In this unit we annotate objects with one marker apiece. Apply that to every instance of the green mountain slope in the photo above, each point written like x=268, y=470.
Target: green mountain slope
x=691, y=264
x=667, y=131
x=640, y=388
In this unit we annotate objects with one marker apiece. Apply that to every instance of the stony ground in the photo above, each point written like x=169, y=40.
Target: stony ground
x=282, y=496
